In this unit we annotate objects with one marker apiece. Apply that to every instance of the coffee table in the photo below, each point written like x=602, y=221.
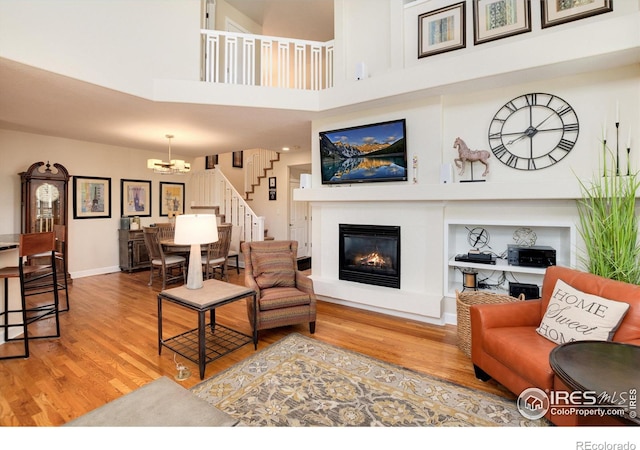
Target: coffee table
x=609, y=368
x=205, y=344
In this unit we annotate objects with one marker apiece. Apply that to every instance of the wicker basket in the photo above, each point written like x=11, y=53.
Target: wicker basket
x=463, y=301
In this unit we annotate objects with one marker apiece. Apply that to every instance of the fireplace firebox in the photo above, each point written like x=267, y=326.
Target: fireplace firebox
x=370, y=254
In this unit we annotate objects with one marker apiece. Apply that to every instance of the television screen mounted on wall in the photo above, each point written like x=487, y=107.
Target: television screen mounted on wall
x=366, y=153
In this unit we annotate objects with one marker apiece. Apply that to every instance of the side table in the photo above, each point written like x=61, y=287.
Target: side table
x=609, y=369
x=204, y=344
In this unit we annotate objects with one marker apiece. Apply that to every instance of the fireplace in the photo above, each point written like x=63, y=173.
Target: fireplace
x=370, y=254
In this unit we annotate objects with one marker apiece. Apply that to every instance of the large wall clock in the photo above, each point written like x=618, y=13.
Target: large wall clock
x=533, y=131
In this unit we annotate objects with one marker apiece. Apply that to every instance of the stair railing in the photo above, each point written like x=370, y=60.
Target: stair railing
x=212, y=188
x=257, y=166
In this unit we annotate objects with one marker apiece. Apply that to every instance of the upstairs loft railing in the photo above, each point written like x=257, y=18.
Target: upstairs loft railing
x=256, y=60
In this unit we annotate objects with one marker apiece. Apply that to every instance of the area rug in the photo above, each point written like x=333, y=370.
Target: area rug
x=299, y=381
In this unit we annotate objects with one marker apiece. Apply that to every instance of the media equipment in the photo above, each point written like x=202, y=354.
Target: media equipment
x=482, y=258
x=530, y=291
x=366, y=153
x=534, y=256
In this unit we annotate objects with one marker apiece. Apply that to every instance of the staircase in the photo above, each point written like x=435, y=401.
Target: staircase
x=258, y=165
x=212, y=192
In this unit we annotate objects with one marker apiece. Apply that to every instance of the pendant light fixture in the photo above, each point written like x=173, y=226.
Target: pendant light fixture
x=177, y=166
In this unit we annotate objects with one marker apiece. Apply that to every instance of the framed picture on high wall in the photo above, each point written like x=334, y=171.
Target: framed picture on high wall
x=171, y=198
x=237, y=159
x=91, y=197
x=135, y=198
x=497, y=19
x=558, y=12
x=211, y=161
x=442, y=30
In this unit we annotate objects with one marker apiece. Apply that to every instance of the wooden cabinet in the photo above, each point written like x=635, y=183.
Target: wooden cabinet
x=133, y=252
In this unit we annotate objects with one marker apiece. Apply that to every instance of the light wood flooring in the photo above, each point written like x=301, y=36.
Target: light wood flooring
x=108, y=348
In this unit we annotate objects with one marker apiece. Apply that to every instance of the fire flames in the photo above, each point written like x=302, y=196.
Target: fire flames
x=373, y=259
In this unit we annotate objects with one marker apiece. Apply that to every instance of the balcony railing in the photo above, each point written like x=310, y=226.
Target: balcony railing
x=256, y=60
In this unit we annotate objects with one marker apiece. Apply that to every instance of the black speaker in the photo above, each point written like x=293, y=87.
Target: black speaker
x=530, y=291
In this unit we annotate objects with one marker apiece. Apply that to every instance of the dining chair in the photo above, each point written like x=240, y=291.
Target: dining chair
x=234, y=247
x=166, y=230
x=171, y=267
x=214, y=260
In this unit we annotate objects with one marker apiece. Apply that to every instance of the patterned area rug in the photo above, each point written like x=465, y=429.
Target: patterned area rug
x=299, y=381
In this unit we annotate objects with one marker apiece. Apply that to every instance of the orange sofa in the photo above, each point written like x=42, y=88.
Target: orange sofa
x=506, y=347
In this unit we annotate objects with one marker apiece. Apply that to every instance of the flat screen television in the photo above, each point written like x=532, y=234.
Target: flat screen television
x=366, y=153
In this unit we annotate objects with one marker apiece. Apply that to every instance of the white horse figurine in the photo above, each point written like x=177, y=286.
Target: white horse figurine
x=464, y=154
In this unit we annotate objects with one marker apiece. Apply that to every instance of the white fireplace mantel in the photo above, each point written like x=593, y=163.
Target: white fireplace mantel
x=546, y=190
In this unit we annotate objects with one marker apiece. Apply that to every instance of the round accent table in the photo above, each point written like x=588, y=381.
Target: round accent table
x=610, y=369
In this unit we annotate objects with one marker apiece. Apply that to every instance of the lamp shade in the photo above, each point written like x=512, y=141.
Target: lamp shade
x=196, y=229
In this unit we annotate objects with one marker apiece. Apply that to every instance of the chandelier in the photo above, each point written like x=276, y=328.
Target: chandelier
x=173, y=166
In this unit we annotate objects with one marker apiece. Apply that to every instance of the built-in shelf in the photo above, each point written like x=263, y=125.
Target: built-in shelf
x=561, y=236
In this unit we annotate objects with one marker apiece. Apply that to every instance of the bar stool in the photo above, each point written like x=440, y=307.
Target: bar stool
x=8, y=322
x=35, y=279
x=61, y=268
x=61, y=255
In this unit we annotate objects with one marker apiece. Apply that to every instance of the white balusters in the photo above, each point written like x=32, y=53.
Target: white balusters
x=240, y=61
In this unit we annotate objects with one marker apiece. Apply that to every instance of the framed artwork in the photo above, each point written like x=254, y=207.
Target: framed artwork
x=497, y=19
x=442, y=30
x=91, y=198
x=135, y=198
x=557, y=12
x=211, y=161
x=272, y=194
x=171, y=198
x=237, y=159
x=272, y=182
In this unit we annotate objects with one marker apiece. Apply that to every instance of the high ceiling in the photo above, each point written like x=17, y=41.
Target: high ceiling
x=36, y=101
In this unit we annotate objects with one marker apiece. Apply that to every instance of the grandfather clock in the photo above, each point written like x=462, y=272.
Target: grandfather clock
x=44, y=199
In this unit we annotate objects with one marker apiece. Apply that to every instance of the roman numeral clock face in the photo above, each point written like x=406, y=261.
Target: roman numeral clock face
x=533, y=131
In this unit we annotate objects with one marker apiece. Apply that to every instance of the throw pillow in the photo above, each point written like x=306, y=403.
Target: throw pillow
x=573, y=315
x=273, y=269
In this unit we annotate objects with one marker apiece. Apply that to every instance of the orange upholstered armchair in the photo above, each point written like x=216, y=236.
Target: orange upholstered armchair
x=284, y=294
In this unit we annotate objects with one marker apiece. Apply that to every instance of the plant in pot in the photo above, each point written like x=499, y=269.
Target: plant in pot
x=609, y=226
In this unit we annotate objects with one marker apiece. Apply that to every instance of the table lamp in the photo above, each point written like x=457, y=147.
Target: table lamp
x=195, y=230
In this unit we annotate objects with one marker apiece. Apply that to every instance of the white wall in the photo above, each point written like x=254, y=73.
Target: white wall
x=123, y=45
x=93, y=243
x=444, y=96
x=224, y=12
x=432, y=125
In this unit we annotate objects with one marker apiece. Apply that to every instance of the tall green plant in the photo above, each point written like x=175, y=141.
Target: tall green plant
x=609, y=226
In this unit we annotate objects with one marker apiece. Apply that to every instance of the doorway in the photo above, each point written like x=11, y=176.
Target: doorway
x=299, y=217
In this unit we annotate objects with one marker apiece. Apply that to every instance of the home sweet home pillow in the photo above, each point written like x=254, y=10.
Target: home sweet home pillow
x=573, y=315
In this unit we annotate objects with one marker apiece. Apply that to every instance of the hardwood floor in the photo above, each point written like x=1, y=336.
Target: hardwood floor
x=108, y=348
